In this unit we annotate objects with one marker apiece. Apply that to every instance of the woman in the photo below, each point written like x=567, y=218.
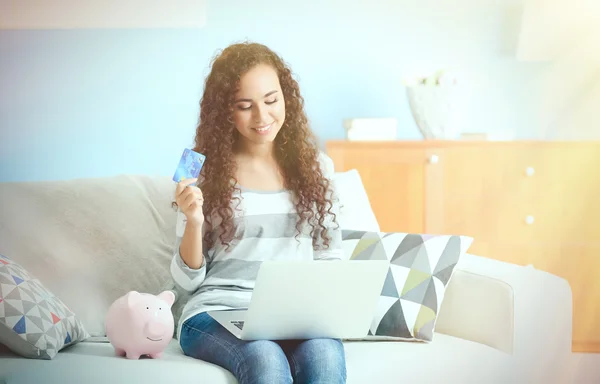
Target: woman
x=263, y=194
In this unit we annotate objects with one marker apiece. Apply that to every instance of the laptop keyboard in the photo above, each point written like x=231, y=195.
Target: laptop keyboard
x=238, y=323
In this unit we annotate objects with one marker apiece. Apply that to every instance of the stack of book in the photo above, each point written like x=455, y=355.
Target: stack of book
x=371, y=129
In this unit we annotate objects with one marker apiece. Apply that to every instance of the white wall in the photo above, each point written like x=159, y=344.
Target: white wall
x=97, y=102
x=566, y=35
x=69, y=14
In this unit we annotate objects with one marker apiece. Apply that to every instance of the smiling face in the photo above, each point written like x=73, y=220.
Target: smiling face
x=151, y=317
x=259, y=107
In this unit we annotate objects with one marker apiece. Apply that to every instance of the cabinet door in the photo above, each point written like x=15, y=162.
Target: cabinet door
x=465, y=195
x=393, y=177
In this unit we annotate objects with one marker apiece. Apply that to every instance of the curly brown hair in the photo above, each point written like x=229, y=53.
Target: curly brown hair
x=296, y=150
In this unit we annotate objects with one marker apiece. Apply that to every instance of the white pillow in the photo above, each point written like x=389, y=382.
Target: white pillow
x=355, y=209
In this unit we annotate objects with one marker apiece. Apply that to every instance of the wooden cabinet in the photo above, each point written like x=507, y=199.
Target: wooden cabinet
x=524, y=202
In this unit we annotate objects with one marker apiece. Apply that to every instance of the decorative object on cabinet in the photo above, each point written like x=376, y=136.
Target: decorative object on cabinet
x=371, y=129
x=473, y=136
x=523, y=202
x=434, y=103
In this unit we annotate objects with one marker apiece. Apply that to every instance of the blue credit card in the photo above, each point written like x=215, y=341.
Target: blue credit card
x=189, y=165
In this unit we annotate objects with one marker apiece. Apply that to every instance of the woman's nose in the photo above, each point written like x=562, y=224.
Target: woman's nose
x=261, y=114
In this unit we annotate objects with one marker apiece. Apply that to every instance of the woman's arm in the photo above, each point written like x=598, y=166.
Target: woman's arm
x=191, y=247
x=188, y=266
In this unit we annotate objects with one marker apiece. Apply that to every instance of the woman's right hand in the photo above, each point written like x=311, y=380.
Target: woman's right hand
x=189, y=199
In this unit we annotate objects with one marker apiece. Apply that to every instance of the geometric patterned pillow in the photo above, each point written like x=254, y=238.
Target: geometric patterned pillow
x=33, y=322
x=420, y=267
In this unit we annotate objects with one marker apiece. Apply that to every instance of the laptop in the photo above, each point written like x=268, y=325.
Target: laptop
x=309, y=299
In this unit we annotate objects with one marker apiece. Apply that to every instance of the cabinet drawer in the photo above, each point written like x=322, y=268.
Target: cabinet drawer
x=555, y=199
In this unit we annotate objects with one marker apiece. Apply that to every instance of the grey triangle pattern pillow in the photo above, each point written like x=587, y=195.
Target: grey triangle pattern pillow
x=33, y=322
x=421, y=266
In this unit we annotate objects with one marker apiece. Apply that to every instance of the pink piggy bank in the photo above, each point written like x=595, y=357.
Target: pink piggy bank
x=140, y=324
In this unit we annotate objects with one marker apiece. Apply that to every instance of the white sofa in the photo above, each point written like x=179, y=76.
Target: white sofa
x=91, y=240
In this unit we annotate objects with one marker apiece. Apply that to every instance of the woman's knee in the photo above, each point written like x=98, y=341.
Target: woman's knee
x=320, y=361
x=263, y=361
x=251, y=362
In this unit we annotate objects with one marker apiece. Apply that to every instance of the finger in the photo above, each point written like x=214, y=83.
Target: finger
x=193, y=204
x=190, y=194
x=191, y=197
x=182, y=197
x=186, y=191
x=182, y=185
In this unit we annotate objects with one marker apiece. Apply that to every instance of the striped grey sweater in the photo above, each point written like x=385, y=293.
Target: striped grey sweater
x=265, y=230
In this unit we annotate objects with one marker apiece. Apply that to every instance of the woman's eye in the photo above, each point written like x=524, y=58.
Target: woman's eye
x=271, y=101
x=244, y=108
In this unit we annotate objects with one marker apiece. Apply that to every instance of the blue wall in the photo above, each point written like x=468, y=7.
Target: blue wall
x=86, y=103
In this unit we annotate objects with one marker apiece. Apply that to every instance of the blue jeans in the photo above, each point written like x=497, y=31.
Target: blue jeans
x=263, y=361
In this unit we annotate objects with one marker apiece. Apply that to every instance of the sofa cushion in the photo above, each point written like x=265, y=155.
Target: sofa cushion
x=448, y=359
x=355, y=209
x=33, y=322
x=103, y=236
x=420, y=269
x=96, y=363
x=479, y=308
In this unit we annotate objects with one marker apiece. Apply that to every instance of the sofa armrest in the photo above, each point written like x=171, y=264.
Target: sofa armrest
x=478, y=308
x=542, y=325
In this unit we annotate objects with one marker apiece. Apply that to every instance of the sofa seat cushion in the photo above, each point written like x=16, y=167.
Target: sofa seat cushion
x=446, y=359
x=367, y=362
x=96, y=363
